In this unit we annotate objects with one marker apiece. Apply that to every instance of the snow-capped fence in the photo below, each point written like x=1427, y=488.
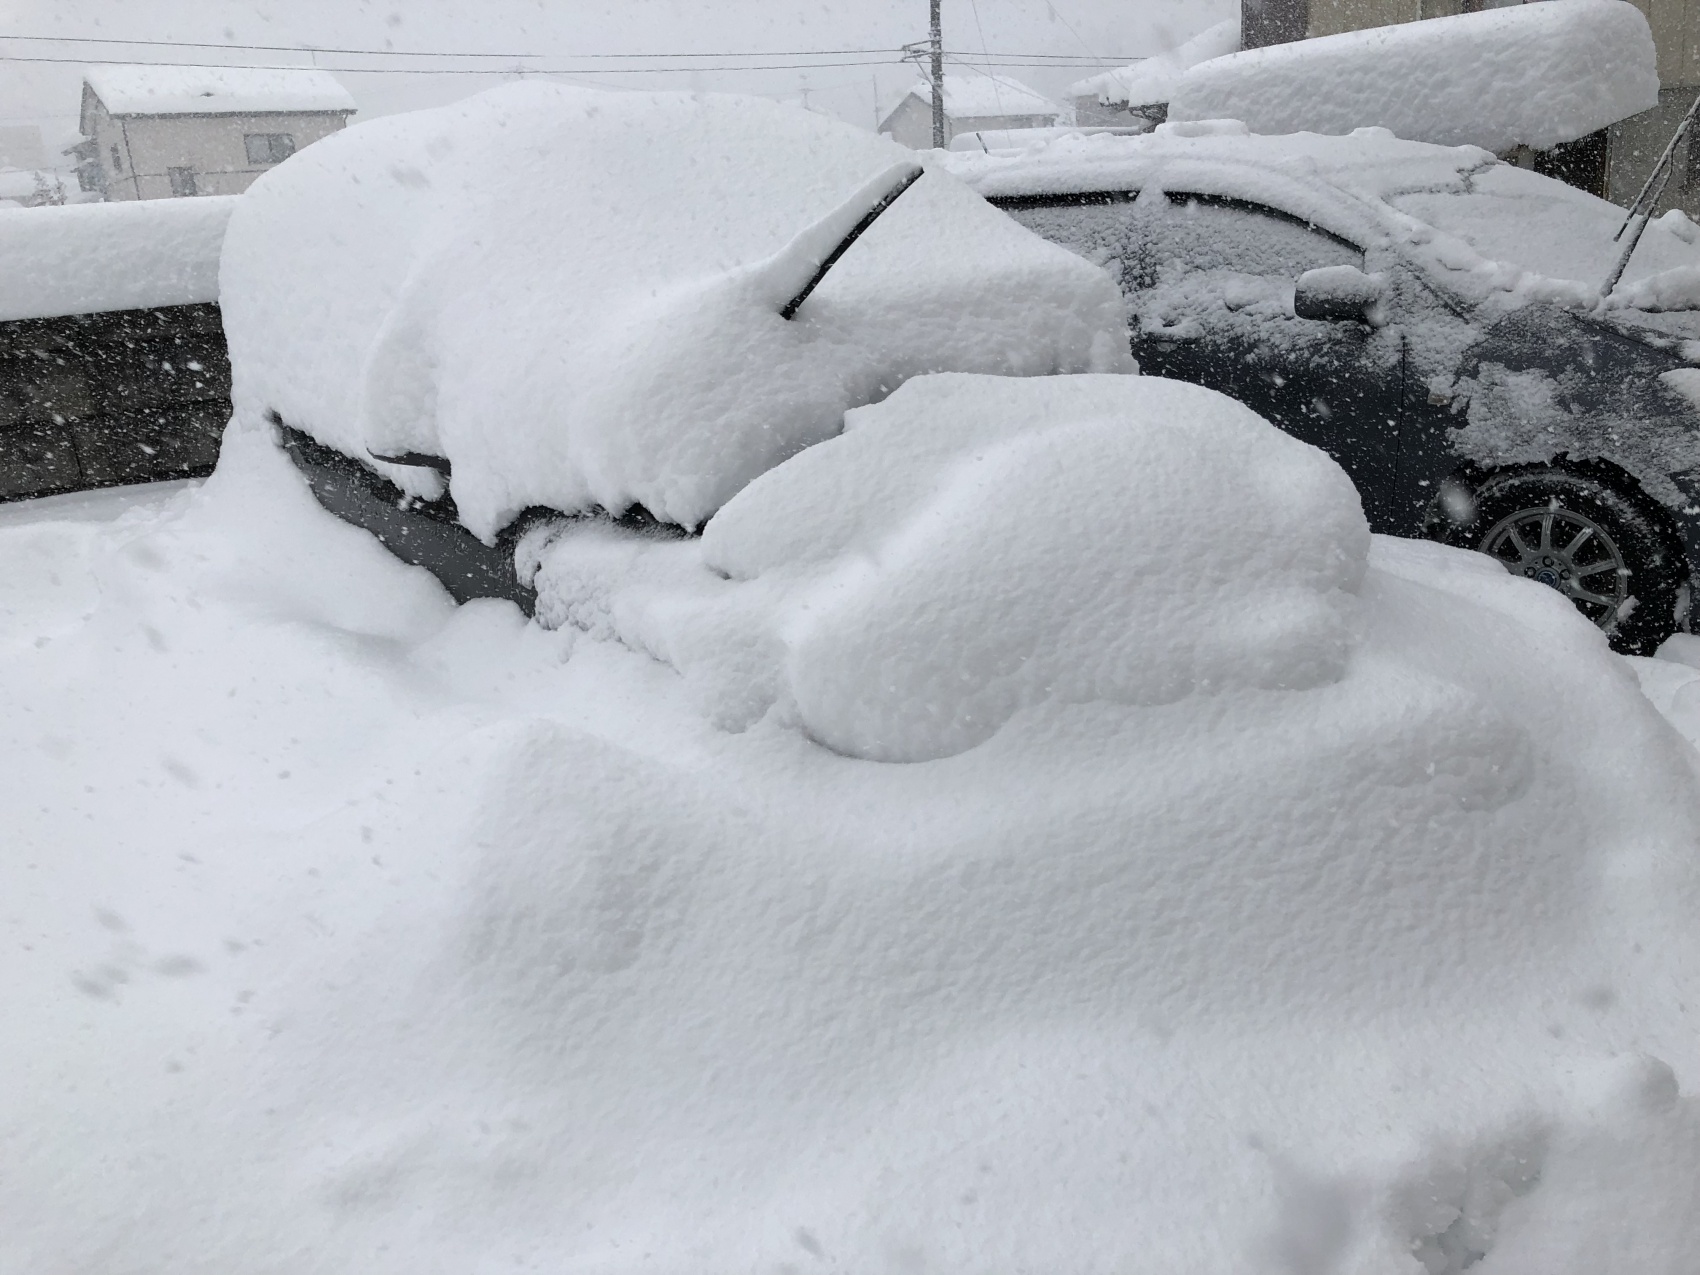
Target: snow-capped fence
x=112, y=357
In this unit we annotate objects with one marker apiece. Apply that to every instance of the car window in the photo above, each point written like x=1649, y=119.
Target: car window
x=1151, y=242
x=1099, y=227
x=1185, y=235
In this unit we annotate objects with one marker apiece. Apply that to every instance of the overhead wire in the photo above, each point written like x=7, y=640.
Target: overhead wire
x=997, y=89
x=511, y=69
x=1025, y=57
x=414, y=53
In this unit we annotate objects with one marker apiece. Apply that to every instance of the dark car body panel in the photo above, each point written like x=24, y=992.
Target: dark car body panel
x=1306, y=391
x=425, y=533
x=1403, y=412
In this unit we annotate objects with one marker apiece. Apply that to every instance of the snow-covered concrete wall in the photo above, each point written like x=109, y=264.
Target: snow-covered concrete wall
x=84, y=258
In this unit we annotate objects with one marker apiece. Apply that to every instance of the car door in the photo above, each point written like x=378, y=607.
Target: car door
x=1210, y=283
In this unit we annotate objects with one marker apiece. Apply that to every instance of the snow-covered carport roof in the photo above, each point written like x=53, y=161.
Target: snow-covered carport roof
x=1528, y=75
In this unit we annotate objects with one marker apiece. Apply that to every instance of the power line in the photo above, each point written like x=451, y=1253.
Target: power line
x=530, y=68
x=997, y=94
x=443, y=70
x=1051, y=6
x=1036, y=58
x=418, y=53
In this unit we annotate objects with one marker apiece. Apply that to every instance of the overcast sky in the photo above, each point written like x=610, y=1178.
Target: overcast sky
x=565, y=33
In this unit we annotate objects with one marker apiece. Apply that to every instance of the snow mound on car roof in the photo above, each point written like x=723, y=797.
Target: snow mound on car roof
x=1340, y=183
x=574, y=296
x=1487, y=230
x=1529, y=75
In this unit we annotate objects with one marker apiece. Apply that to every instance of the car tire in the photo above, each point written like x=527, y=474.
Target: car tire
x=1598, y=545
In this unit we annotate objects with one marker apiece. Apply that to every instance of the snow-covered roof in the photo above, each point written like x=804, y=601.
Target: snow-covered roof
x=1527, y=75
x=979, y=96
x=1153, y=80
x=215, y=90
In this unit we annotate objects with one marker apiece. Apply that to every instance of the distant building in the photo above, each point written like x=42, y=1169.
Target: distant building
x=155, y=132
x=971, y=103
x=1613, y=162
x=1140, y=93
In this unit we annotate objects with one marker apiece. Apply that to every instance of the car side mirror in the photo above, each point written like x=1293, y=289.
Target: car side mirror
x=1340, y=292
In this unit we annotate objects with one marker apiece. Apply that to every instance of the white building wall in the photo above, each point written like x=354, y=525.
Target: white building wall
x=911, y=123
x=137, y=153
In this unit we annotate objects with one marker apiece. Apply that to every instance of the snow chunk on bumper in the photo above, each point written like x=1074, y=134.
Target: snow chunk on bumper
x=607, y=331
x=974, y=546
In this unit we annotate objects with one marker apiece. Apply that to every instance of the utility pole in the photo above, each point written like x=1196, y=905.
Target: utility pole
x=937, y=35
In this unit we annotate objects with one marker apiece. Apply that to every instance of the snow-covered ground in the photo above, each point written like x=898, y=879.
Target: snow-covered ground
x=1035, y=826
x=1346, y=928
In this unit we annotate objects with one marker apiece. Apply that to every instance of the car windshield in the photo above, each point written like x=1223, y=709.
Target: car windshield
x=1513, y=215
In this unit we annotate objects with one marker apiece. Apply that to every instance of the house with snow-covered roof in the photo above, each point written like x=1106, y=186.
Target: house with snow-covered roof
x=155, y=132
x=972, y=103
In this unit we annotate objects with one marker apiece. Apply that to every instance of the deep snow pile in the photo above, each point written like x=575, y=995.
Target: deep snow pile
x=866, y=586
x=83, y=258
x=611, y=333
x=1528, y=75
x=351, y=931
x=1153, y=80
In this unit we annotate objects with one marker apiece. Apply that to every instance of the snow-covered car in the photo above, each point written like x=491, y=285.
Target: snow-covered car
x=1429, y=316
x=552, y=301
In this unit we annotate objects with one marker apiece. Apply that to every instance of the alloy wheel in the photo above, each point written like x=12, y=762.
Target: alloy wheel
x=1566, y=551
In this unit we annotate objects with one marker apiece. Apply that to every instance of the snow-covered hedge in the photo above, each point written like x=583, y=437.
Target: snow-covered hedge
x=1532, y=75
x=83, y=258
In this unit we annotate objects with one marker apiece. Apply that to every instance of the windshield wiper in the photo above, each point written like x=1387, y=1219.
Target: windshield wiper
x=1644, y=203
x=909, y=178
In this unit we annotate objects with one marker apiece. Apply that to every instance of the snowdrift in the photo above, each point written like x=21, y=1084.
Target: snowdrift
x=1528, y=75
x=967, y=550
x=608, y=333
x=352, y=931
x=84, y=258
